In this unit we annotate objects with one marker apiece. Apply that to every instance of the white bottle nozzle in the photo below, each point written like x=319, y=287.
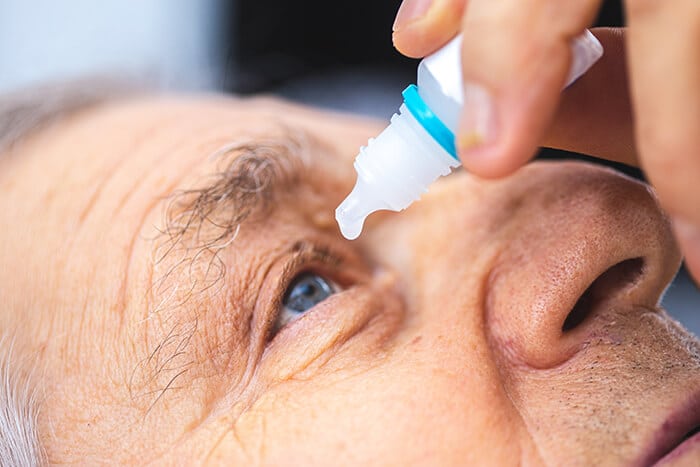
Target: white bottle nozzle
x=393, y=170
x=353, y=211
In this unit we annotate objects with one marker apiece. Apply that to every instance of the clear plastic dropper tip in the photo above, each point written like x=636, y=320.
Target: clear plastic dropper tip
x=350, y=216
x=353, y=211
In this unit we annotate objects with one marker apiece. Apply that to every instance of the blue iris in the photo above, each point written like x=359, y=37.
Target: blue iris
x=305, y=292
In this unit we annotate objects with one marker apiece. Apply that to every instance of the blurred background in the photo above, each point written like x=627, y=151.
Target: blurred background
x=337, y=55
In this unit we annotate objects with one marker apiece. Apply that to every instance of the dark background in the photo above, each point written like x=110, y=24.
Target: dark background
x=278, y=40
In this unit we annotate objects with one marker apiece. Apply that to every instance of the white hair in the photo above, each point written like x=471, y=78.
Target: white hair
x=19, y=411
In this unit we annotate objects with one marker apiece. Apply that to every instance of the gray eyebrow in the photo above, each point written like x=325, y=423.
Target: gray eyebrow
x=26, y=111
x=250, y=177
x=199, y=223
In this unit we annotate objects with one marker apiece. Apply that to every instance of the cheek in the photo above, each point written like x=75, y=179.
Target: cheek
x=405, y=409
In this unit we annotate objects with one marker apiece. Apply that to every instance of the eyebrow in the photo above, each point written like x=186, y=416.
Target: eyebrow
x=250, y=176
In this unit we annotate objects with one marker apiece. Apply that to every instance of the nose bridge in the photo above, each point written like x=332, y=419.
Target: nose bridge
x=439, y=248
x=443, y=243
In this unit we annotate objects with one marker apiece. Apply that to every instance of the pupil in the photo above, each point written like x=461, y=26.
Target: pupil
x=306, y=292
x=309, y=290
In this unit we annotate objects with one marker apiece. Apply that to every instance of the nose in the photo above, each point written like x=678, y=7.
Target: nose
x=544, y=258
x=596, y=246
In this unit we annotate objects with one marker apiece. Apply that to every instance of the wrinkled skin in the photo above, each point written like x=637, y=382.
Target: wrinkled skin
x=443, y=344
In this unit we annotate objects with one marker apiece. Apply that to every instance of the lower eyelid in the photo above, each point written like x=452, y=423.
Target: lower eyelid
x=281, y=324
x=362, y=320
x=328, y=324
x=368, y=299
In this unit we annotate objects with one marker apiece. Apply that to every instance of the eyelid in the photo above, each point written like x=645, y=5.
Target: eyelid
x=304, y=253
x=309, y=256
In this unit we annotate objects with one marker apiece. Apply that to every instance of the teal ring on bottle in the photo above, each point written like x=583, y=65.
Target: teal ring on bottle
x=428, y=120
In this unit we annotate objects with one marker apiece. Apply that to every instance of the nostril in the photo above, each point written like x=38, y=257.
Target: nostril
x=617, y=278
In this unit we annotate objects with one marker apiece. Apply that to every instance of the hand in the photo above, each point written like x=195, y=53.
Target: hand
x=515, y=60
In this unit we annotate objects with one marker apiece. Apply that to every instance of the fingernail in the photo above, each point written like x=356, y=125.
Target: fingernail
x=409, y=11
x=689, y=239
x=477, y=126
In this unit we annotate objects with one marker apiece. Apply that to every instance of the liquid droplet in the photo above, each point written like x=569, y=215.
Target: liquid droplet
x=353, y=211
x=351, y=230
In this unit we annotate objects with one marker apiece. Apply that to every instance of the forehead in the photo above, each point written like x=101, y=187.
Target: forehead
x=131, y=154
x=27, y=111
x=122, y=158
x=95, y=118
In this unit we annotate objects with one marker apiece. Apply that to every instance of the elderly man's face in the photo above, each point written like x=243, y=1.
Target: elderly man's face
x=176, y=267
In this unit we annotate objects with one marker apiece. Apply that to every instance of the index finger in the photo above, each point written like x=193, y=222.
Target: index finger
x=423, y=26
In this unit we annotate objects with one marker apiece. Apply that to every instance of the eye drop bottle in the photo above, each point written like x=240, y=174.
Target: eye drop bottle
x=418, y=146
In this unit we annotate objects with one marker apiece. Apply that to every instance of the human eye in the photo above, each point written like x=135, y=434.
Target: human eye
x=305, y=291
x=312, y=272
